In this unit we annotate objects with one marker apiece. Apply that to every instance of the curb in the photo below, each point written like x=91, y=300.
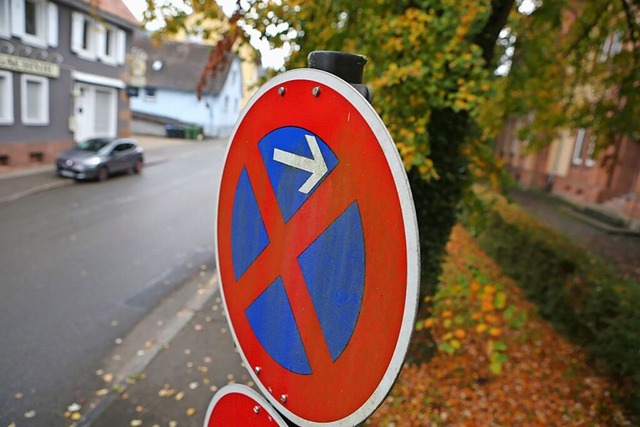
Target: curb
x=578, y=214
x=141, y=350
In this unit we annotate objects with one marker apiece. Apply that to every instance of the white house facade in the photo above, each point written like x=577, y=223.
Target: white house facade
x=169, y=97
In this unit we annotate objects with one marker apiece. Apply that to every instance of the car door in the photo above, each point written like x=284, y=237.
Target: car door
x=121, y=157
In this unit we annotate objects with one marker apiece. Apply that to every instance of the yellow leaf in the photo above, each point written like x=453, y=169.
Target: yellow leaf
x=490, y=318
x=495, y=332
x=459, y=333
x=191, y=411
x=489, y=289
x=481, y=328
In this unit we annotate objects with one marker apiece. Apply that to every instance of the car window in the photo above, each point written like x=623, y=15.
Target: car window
x=93, y=144
x=123, y=147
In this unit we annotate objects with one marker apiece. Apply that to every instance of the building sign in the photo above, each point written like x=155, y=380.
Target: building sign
x=138, y=68
x=27, y=65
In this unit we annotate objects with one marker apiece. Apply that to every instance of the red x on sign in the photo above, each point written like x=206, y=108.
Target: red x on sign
x=317, y=249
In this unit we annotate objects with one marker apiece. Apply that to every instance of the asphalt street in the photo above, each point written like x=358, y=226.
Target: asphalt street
x=83, y=263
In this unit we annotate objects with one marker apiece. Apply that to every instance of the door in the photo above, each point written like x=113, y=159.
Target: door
x=122, y=157
x=96, y=111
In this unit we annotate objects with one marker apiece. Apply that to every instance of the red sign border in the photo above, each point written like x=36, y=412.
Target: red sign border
x=411, y=239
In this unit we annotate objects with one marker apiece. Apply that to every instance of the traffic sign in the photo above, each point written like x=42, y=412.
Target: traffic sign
x=317, y=248
x=238, y=405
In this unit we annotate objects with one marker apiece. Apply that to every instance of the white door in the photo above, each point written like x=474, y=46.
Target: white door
x=96, y=111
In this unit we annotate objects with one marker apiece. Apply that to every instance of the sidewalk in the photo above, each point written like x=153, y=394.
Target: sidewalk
x=175, y=388
x=621, y=248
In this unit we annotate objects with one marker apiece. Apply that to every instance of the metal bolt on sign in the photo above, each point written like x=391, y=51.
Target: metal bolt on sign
x=316, y=236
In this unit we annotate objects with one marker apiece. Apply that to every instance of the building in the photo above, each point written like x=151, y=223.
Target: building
x=173, y=70
x=62, y=75
x=608, y=183
x=209, y=31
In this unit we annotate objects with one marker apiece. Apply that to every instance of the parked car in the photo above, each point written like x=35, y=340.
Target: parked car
x=98, y=158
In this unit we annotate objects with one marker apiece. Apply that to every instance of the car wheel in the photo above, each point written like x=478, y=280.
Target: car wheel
x=137, y=168
x=103, y=174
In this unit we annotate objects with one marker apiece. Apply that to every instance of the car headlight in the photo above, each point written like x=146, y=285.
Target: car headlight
x=92, y=161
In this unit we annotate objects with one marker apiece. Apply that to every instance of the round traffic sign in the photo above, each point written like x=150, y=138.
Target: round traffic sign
x=317, y=249
x=238, y=405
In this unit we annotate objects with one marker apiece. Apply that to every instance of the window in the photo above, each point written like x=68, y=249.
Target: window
x=83, y=35
x=34, y=98
x=150, y=94
x=86, y=35
x=5, y=29
x=6, y=98
x=583, y=153
x=91, y=40
x=35, y=31
x=225, y=106
x=35, y=22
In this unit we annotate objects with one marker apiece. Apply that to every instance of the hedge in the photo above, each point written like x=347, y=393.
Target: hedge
x=579, y=293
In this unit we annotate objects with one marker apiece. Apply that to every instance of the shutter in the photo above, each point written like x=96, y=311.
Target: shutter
x=52, y=28
x=17, y=17
x=101, y=41
x=121, y=46
x=77, y=28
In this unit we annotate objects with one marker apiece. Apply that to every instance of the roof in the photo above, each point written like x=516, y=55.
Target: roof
x=113, y=10
x=116, y=8
x=182, y=64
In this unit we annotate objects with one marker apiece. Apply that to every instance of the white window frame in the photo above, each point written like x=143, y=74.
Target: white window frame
x=107, y=36
x=6, y=99
x=150, y=94
x=589, y=162
x=43, y=113
x=80, y=23
x=40, y=38
x=5, y=20
x=576, y=158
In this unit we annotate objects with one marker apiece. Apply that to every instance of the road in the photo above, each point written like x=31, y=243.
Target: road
x=82, y=264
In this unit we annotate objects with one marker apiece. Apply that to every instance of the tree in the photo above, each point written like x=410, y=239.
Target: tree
x=430, y=66
x=576, y=65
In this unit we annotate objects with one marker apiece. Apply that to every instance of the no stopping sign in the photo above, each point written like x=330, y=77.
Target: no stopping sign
x=317, y=249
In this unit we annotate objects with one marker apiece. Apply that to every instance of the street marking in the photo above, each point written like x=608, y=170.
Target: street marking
x=316, y=165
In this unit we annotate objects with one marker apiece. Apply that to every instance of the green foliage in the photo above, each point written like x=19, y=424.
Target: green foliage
x=429, y=65
x=576, y=65
x=584, y=298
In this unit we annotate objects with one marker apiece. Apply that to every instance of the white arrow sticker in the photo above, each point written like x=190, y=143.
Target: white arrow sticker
x=316, y=166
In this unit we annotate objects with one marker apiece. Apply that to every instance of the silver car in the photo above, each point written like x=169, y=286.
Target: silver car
x=98, y=158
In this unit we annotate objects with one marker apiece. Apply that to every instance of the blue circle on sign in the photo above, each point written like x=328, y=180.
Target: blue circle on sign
x=333, y=265
x=293, y=185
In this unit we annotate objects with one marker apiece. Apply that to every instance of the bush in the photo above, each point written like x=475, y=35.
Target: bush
x=580, y=294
